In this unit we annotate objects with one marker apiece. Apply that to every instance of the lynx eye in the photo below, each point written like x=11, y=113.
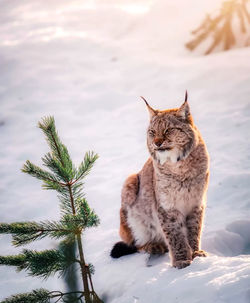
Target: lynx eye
x=168, y=131
x=151, y=132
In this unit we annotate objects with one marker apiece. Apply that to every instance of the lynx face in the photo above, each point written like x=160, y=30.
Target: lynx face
x=171, y=135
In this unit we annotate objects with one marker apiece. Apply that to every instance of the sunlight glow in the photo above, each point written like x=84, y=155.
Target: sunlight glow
x=130, y=8
x=59, y=32
x=45, y=35
x=135, y=9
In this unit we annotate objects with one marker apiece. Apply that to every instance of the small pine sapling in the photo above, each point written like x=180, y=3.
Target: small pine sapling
x=76, y=215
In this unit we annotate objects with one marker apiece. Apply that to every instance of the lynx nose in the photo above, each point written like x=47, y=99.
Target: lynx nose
x=158, y=141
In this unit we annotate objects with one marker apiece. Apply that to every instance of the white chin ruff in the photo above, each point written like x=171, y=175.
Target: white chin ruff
x=167, y=155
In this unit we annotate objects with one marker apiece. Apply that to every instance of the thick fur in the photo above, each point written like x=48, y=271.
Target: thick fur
x=163, y=205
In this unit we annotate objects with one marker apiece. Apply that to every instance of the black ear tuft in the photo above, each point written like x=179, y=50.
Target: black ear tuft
x=152, y=112
x=184, y=110
x=186, y=96
x=122, y=249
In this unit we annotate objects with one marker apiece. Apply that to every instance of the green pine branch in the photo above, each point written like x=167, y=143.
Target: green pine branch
x=43, y=264
x=86, y=165
x=65, y=197
x=59, y=150
x=37, y=172
x=36, y=296
x=86, y=214
x=64, y=173
x=44, y=296
x=26, y=232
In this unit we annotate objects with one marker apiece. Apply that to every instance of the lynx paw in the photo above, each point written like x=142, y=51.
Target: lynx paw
x=182, y=263
x=155, y=248
x=199, y=253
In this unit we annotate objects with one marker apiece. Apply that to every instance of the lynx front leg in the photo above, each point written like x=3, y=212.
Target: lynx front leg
x=172, y=223
x=194, y=225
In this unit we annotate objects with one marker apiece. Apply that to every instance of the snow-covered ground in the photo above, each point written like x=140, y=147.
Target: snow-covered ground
x=87, y=63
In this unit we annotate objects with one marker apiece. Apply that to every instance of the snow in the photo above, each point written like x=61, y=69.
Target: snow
x=87, y=63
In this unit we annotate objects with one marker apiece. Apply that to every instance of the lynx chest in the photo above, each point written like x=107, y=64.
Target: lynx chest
x=182, y=195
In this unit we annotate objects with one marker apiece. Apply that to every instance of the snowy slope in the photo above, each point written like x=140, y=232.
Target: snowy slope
x=87, y=63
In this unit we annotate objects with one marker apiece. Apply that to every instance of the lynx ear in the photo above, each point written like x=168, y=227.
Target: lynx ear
x=151, y=111
x=184, y=110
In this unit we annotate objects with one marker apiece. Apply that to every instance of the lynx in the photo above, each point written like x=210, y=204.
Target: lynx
x=163, y=205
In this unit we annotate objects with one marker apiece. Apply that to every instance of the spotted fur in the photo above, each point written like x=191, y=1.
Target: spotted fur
x=163, y=205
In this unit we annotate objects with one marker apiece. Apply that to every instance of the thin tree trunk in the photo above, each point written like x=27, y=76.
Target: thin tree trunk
x=83, y=270
x=82, y=260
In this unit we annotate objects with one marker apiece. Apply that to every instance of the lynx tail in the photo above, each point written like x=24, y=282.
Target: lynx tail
x=122, y=249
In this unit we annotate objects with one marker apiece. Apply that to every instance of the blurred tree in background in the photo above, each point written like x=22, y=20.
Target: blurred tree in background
x=76, y=215
x=221, y=26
